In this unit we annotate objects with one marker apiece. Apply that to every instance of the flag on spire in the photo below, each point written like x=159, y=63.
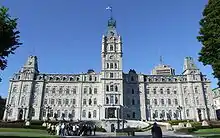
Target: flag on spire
x=109, y=8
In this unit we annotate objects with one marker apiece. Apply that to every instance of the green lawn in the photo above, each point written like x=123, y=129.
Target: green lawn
x=23, y=132
x=208, y=133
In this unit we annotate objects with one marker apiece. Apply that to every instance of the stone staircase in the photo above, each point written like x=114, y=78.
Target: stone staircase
x=136, y=124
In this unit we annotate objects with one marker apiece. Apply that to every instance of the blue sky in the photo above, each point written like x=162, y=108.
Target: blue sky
x=66, y=35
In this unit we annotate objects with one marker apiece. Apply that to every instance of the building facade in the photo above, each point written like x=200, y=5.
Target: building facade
x=110, y=95
x=216, y=98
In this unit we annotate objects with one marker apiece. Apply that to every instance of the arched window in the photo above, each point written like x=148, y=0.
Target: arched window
x=116, y=100
x=25, y=88
x=107, y=88
x=116, y=88
x=107, y=100
x=94, y=114
x=89, y=115
x=73, y=113
x=22, y=100
x=58, y=113
x=95, y=101
x=90, y=78
x=12, y=100
x=197, y=100
x=156, y=113
x=90, y=90
x=84, y=113
x=133, y=102
x=44, y=113
x=187, y=112
x=169, y=102
x=111, y=88
x=111, y=48
x=111, y=66
x=186, y=101
x=90, y=102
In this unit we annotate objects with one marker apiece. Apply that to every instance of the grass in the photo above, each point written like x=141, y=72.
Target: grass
x=23, y=132
x=208, y=133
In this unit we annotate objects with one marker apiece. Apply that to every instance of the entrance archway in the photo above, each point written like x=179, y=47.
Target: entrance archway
x=112, y=127
x=20, y=114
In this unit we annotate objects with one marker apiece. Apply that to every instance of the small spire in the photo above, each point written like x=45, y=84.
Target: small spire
x=110, y=9
x=161, y=60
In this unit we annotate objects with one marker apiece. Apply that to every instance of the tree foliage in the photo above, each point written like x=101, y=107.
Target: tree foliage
x=9, y=36
x=209, y=36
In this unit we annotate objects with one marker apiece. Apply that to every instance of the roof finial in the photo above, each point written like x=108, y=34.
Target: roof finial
x=110, y=9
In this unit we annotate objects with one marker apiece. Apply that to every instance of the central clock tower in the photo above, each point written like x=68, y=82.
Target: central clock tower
x=112, y=74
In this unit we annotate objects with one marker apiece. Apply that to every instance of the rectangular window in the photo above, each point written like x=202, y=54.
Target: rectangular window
x=59, y=102
x=169, y=102
x=54, y=90
x=168, y=91
x=155, y=91
x=95, y=90
x=52, y=101
x=74, y=101
x=74, y=90
x=162, y=101
x=67, y=101
x=47, y=89
x=85, y=90
x=84, y=101
x=196, y=90
x=111, y=99
x=176, y=101
x=174, y=91
x=155, y=101
x=111, y=75
x=161, y=91
x=45, y=101
x=61, y=90
x=148, y=101
x=147, y=90
x=67, y=90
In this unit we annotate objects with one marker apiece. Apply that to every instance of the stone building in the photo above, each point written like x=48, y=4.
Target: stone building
x=110, y=95
x=216, y=98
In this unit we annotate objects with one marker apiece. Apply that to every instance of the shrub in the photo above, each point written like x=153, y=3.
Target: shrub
x=100, y=129
x=12, y=125
x=186, y=130
x=176, y=122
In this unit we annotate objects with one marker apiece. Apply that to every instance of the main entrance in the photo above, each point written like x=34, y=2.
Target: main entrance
x=20, y=114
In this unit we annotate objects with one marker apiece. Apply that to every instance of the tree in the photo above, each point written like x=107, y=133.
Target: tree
x=9, y=36
x=209, y=36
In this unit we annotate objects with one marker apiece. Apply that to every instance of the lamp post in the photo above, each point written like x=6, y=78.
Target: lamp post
x=48, y=108
x=150, y=107
x=99, y=106
x=180, y=109
x=7, y=111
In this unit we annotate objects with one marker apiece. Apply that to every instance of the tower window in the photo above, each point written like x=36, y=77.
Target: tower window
x=111, y=48
x=111, y=66
x=111, y=75
x=116, y=65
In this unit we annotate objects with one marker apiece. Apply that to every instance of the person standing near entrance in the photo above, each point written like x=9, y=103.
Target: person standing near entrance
x=156, y=131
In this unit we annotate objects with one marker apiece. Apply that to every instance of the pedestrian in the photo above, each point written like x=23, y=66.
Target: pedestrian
x=62, y=129
x=156, y=131
x=94, y=129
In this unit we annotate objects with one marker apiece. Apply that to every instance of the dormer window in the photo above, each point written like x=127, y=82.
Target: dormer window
x=71, y=78
x=132, y=78
x=90, y=78
x=64, y=78
x=57, y=78
x=51, y=78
